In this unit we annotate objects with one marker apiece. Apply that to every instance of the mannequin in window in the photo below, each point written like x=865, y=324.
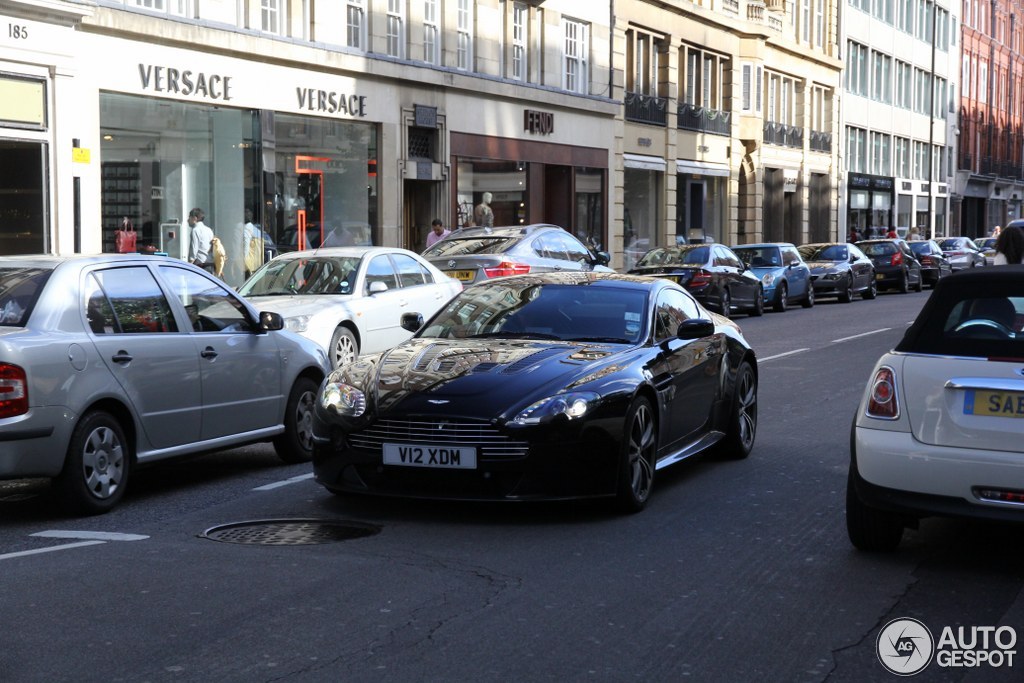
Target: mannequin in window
x=482, y=214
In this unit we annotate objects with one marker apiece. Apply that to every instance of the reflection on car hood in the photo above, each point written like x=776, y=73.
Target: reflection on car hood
x=474, y=376
x=299, y=304
x=823, y=265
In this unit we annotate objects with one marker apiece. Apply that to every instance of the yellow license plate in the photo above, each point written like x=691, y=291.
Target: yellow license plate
x=670, y=278
x=462, y=275
x=994, y=403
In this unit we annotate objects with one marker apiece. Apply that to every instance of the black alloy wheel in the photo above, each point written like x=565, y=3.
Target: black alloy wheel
x=758, y=309
x=808, y=301
x=872, y=291
x=904, y=285
x=846, y=294
x=741, y=429
x=725, y=302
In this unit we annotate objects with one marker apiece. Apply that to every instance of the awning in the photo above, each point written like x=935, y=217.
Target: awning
x=701, y=168
x=643, y=161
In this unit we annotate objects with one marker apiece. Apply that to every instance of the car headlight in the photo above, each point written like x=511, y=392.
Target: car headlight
x=573, y=405
x=768, y=279
x=832, y=276
x=343, y=399
x=298, y=323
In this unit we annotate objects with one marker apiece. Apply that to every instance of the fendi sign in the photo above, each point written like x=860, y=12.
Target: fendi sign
x=539, y=122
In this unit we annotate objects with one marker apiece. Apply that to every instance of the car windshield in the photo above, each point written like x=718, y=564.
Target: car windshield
x=824, y=252
x=311, y=275
x=951, y=244
x=19, y=290
x=987, y=243
x=878, y=248
x=532, y=310
x=483, y=244
x=760, y=257
x=675, y=256
x=921, y=247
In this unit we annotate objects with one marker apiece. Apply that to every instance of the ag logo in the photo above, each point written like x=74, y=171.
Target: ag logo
x=905, y=646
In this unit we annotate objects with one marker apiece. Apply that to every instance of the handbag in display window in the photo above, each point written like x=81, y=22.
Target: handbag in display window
x=125, y=237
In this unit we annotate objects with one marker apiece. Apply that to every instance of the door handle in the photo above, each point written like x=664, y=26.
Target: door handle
x=208, y=352
x=122, y=357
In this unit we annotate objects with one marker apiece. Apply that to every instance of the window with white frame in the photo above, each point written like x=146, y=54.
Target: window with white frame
x=982, y=81
x=881, y=77
x=464, y=28
x=857, y=69
x=905, y=15
x=751, y=95
x=747, y=85
x=856, y=149
x=178, y=8
x=780, y=95
x=902, y=157
x=821, y=109
x=904, y=86
x=819, y=23
x=922, y=91
x=431, y=33
x=394, y=30
x=355, y=24
x=880, y=153
x=938, y=103
x=575, y=63
x=805, y=20
x=701, y=72
x=520, y=16
x=272, y=13
x=642, y=50
x=920, y=160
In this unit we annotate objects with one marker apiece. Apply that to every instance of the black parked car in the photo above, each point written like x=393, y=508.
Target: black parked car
x=476, y=254
x=548, y=386
x=896, y=266
x=934, y=264
x=713, y=273
x=840, y=269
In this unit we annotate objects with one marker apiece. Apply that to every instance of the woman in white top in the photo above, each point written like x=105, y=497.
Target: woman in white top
x=1009, y=246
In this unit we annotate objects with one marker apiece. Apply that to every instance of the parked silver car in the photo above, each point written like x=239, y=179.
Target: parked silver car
x=112, y=361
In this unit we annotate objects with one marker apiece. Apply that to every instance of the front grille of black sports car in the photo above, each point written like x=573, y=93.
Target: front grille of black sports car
x=492, y=444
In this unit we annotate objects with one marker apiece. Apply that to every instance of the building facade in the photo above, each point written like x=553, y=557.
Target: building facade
x=351, y=122
x=729, y=123
x=899, y=116
x=990, y=178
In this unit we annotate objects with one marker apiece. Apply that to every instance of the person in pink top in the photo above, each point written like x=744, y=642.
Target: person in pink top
x=437, y=232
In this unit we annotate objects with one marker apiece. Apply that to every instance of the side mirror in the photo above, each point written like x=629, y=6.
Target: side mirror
x=271, y=322
x=695, y=328
x=603, y=258
x=411, y=322
x=376, y=287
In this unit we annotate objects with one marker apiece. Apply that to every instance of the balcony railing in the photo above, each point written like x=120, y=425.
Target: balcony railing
x=646, y=108
x=781, y=134
x=820, y=142
x=704, y=119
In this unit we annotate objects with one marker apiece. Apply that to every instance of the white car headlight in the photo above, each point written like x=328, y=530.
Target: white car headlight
x=298, y=323
x=572, y=405
x=768, y=278
x=343, y=399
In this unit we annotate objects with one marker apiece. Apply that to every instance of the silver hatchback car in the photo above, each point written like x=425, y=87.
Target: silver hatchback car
x=113, y=361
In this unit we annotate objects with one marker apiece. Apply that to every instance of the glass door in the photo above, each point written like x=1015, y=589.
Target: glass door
x=24, y=220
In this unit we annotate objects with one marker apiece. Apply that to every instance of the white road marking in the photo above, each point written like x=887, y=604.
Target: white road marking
x=286, y=482
x=782, y=355
x=37, y=551
x=863, y=334
x=91, y=535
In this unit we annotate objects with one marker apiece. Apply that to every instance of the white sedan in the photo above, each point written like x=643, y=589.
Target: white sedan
x=350, y=300
x=939, y=428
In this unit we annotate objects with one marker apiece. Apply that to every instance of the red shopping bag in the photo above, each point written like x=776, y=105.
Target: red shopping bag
x=124, y=238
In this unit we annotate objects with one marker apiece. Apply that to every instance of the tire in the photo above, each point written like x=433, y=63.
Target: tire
x=872, y=291
x=781, y=299
x=846, y=296
x=344, y=347
x=870, y=529
x=725, y=302
x=919, y=287
x=97, y=466
x=741, y=429
x=758, y=309
x=637, y=460
x=904, y=284
x=296, y=444
x=808, y=301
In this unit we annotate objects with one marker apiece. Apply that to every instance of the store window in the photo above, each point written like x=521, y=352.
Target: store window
x=640, y=217
x=323, y=175
x=504, y=181
x=589, y=222
x=700, y=208
x=161, y=158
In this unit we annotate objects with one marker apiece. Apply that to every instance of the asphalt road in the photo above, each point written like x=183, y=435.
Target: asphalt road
x=736, y=571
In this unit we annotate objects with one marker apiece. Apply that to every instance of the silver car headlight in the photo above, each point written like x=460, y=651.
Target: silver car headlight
x=573, y=405
x=297, y=323
x=768, y=279
x=343, y=399
x=832, y=276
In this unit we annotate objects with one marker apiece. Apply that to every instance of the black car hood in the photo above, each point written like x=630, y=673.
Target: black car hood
x=482, y=377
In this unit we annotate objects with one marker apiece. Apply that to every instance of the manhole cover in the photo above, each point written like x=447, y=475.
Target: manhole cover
x=289, y=531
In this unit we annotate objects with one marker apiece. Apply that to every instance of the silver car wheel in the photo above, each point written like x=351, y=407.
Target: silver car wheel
x=304, y=419
x=103, y=462
x=344, y=348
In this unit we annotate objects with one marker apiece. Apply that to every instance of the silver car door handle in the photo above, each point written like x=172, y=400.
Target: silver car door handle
x=208, y=352
x=122, y=357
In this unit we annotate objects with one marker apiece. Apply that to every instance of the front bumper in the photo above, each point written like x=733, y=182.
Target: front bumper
x=893, y=471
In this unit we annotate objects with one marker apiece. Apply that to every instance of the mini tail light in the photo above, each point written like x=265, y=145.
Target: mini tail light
x=897, y=258
x=13, y=391
x=700, y=278
x=882, y=401
x=507, y=268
